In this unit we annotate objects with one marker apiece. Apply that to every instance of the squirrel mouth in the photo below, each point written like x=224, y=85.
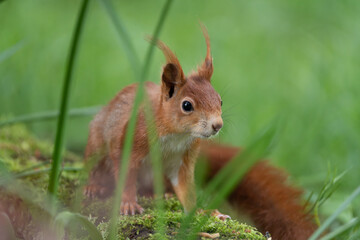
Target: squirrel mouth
x=205, y=135
x=201, y=135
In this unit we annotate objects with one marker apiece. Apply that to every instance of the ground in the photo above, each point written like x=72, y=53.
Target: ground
x=23, y=199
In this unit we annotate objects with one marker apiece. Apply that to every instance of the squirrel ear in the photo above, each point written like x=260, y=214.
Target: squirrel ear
x=171, y=77
x=206, y=69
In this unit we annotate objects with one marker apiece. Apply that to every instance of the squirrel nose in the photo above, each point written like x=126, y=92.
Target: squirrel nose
x=217, y=126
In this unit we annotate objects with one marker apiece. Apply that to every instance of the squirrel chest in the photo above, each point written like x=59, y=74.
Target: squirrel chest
x=174, y=147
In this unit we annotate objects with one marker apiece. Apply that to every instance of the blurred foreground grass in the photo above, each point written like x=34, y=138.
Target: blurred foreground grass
x=298, y=60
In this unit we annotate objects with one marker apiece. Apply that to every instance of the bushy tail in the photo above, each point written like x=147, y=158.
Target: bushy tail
x=263, y=193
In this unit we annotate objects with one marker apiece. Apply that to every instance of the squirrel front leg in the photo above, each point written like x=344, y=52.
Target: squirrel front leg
x=129, y=203
x=184, y=186
x=185, y=190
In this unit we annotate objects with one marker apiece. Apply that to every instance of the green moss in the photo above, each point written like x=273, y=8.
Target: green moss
x=29, y=159
x=142, y=226
x=21, y=153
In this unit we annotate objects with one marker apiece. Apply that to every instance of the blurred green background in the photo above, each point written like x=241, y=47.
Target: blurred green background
x=296, y=59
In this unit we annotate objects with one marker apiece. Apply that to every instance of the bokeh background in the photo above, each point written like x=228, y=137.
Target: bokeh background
x=297, y=60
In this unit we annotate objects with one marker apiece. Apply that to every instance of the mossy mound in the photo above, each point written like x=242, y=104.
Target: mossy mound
x=144, y=226
x=28, y=160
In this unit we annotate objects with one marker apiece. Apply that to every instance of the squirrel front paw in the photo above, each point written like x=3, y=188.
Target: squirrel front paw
x=130, y=207
x=219, y=215
x=93, y=191
x=215, y=213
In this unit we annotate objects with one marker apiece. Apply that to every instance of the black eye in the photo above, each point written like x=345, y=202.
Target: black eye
x=221, y=102
x=187, y=107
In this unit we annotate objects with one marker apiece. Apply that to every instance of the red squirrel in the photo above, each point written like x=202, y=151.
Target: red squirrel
x=186, y=109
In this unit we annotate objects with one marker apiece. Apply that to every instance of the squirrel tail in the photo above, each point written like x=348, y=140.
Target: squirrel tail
x=263, y=193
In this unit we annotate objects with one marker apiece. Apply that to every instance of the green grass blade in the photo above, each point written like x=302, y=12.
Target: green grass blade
x=341, y=229
x=125, y=158
x=41, y=164
x=5, y=175
x=156, y=34
x=330, y=186
x=123, y=35
x=65, y=219
x=59, y=140
x=129, y=134
x=329, y=220
x=130, y=130
x=10, y=51
x=156, y=162
x=45, y=170
x=155, y=154
x=48, y=115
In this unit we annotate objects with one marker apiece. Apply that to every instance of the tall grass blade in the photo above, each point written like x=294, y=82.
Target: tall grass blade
x=38, y=165
x=66, y=219
x=156, y=162
x=155, y=154
x=129, y=134
x=10, y=51
x=329, y=220
x=330, y=186
x=123, y=35
x=59, y=140
x=341, y=229
x=45, y=170
x=48, y=115
x=5, y=175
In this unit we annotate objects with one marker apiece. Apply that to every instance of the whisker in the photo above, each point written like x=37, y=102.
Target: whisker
x=224, y=90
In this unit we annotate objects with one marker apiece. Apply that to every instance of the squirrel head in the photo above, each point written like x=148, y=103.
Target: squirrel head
x=189, y=104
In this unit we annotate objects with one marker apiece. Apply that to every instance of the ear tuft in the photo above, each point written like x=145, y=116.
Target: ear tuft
x=169, y=55
x=206, y=69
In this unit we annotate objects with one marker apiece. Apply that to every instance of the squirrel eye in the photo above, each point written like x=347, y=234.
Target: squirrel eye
x=187, y=107
x=221, y=102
